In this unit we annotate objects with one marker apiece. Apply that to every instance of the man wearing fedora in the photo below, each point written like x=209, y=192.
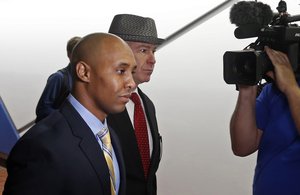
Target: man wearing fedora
x=138, y=133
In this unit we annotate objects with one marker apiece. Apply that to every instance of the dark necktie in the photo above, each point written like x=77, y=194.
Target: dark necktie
x=141, y=132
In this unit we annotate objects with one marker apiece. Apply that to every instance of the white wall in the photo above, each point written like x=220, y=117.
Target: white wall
x=193, y=102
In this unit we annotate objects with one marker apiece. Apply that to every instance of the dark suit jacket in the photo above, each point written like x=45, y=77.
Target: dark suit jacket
x=60, y=155
x=57, y=88
x=136, y=182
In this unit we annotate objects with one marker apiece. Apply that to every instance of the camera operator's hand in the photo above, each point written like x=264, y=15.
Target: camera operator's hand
x=286, y=82
x=284, y=75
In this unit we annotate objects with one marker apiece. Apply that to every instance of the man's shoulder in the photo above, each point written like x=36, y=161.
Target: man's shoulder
x=56, y=76
x=43, y=133
x=60, y=73
x=47, y=125
x=144, y=96
x=64, y=71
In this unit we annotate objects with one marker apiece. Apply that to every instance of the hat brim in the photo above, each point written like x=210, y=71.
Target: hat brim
x=144, y=39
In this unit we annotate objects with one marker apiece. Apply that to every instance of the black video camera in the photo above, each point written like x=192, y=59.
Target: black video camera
x=248, y=66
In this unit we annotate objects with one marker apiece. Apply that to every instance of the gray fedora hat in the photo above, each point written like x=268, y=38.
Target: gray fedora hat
x=135, y=28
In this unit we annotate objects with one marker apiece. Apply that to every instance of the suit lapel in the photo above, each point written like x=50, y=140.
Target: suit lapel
x=88, y=144
x=122, y=123
x=149, y=111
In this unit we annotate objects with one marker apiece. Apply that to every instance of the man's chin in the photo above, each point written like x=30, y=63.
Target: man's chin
x=118, y=110
x=146, y=80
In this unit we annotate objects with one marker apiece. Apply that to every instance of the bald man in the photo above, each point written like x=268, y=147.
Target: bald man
x=65, y=153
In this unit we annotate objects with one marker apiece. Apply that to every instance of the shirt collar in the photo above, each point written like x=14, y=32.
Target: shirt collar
x=91, y=120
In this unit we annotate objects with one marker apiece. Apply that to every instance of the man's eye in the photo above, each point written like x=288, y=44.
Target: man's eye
x=121, y=71
x=143, y=50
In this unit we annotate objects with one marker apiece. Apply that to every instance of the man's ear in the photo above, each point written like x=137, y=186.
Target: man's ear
x=83, y=71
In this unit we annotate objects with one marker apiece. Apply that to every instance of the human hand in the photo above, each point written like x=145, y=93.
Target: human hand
x=283, y=73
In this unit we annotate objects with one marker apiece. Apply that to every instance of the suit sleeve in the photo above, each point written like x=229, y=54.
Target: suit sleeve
x=31, y=170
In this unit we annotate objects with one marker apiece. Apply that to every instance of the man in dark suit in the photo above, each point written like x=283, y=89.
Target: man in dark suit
x=65, y=153
x=142, y=154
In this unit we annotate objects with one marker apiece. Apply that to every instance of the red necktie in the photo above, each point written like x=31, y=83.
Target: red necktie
x=141, y=132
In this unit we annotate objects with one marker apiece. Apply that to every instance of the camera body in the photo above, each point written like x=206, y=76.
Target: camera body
x=249, y=66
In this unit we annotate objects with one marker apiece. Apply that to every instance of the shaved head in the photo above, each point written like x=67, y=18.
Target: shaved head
x=102, y=66
x=89, y=49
